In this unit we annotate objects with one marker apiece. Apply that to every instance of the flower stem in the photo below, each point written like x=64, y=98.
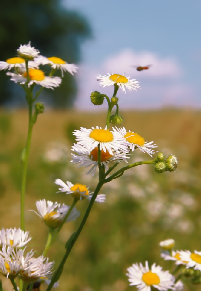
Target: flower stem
x=14, y=284
x=25, y=157
x=70, y=243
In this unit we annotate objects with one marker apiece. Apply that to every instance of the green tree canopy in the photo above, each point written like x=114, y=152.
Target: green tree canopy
x=51, y=28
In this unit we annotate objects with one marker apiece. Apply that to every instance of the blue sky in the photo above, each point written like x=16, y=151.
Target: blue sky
x=163, y=33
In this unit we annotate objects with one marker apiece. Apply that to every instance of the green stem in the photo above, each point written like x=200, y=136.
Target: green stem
x=25, y=157
x=110, y=106
x=48, y=243
x=73, y=238
x=122, y=170
x=178, y=278
x=14, y=284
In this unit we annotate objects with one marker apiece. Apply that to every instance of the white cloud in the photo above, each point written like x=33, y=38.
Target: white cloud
x=160, y=85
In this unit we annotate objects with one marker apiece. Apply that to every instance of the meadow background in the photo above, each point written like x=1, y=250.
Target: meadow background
x=142, y=207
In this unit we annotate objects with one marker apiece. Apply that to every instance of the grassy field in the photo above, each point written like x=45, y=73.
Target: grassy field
x=142, y=207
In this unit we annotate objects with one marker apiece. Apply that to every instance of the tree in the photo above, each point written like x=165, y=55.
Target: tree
x=51, y=28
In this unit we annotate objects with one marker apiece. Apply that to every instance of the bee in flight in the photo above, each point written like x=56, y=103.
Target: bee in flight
x=140, y=68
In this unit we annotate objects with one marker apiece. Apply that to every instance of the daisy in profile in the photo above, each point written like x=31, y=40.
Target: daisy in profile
x=35, y=268
x=144, y=277
x=57, y=63
x=14, y=237
x=89, y=158
x=122, y=81
x=174, y=257
x=109, y=141
x=36, y=77
x=54, y=213
x=16, y=63
x=78, y=191
x=167, y=244
x=193, y=260
x=134, y=141
x=27, y=52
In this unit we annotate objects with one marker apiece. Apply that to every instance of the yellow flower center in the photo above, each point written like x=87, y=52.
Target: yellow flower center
x=35, y=74
x=196, y=258
x=14, y=61
x=134, y=138
x=57, y=61
x=7, y=267
x=11, y=242
x=118, y=78
x=177, y=256
x=104, y=155
x=150, y=278
x=77, y=188
x=101, y=135
x=50, y=215
x=51, y=221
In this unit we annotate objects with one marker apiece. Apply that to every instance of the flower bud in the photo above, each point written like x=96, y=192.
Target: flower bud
x=160, y=167
x=160, y=157
x=116, y=119
x=188, y=272
x=114, y=100
x=97, y=98
x=167, y=244
x=196, y=280
x=39, y=107
x=197, y=273
x=171, y=163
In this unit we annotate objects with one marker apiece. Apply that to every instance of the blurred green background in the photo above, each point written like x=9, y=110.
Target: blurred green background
x=142, y=207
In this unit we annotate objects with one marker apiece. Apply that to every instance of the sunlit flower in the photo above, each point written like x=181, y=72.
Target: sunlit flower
x=35, y=268
x=192, y=259
x=167, y=244
x=78, y=191
x=54, y=213
x=14, y=237
x=174, y=257
x=122, y=81
x=57, y=63
x=27, y=52
x=134, y=141
x=10, y=266
x=89, y=159
x=36, y=77
x=108, y=140
x=16, y=63
x=144, y=278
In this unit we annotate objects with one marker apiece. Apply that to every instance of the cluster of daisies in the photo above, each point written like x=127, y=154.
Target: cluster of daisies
x=15, y=263
x=115, y=146
x=36, y=76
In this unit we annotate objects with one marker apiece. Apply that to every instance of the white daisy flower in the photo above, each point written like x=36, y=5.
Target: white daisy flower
x=36, y=77
x=134, y=141
x=122, y=81
x=57, y=63
x=108, y=140
x=16, y=63
x=179, y=286
x=86, y=158
x=144, y=278
x=27, y=52
x=14, y=237
x=167, y=244
x=193, y=260
x=78, y=191
x=35, y=268
x=54, y=213
x=9, y=266
x=174, y=257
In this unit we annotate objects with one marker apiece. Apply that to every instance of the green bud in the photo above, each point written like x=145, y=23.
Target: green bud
x=116, y=119
x=160, y=157
x=197, y=273
x=160, y=167
x=188, y=272
x=39, y=107
x=171, y=163
x=196, y=280
x=97, y=98
x=114, y=100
